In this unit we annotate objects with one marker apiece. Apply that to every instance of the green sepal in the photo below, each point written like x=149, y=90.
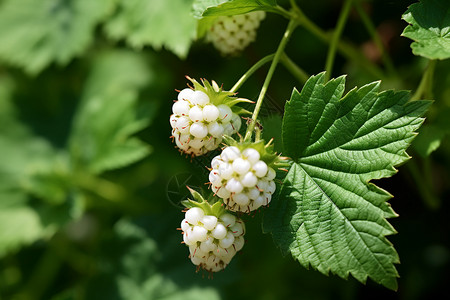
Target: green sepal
x=217, y=95
x=240, y=111
x=266, y=151
x=239, y=100
x=216, y=209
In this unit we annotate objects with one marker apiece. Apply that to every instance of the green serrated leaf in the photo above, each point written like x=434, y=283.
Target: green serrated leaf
x=156, y=23
x=108, y=117
x=429, y=27
x=36, y=33
x=237, y=7
x=327, y=214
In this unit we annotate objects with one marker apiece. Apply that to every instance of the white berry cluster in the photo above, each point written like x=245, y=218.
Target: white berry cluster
x=241, y=179
x=231, y=34
x=198, y=125
x=212, y=241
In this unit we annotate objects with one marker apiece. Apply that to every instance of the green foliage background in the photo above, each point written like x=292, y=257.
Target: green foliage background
x=90, y=182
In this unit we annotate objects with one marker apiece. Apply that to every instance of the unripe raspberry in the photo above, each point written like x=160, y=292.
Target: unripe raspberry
x=196, y=114
x=242, y=179
x=232, y=34
x=215, y=129
x=210, y=113
x=225, y=113
x=185, y=94
x=212, y=240
x=181, y=108
x=198, y=130
x=194, y=215
x=202, y=116
x=199, y=98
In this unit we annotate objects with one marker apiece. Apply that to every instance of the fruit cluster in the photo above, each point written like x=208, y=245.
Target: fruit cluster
x=202, y=115
x=232, y=34
x=212, y=240
x=241, y=179
x=198, y=125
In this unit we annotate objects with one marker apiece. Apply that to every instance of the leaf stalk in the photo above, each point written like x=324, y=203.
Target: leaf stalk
x=425, y=88
x=250, y=71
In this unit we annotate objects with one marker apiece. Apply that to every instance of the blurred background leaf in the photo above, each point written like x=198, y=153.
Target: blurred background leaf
x=143, y=22
x=141, y=262
x=23, y=157
x=36, y=33
x=108, y=114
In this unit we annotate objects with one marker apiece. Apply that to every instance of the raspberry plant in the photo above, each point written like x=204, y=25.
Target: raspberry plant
x=327, y=213
x=297, y=120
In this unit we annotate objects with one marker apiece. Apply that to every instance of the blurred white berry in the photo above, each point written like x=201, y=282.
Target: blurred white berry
x=232, y=34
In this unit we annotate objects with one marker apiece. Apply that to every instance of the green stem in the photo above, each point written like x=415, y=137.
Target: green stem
x=343, y=16
x=428, y=94
x=426, y=83
x=295, y=70
x=250, y=72
x=281, y=11
x=375, y=37
x=291, y=26
x=347, y=50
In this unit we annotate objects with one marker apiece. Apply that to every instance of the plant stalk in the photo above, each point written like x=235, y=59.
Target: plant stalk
x=250, y=72
x=343, y=16
x=426, y=83
x=349, y=51
x=290, y=29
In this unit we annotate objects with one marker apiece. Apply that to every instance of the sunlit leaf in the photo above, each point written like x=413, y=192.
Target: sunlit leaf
x=327, y=214
x=429, y=28
x=199, y=6
x=208, y=10
x=236, y=7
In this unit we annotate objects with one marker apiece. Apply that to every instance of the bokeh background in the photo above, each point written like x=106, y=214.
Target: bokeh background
x=90, y=182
